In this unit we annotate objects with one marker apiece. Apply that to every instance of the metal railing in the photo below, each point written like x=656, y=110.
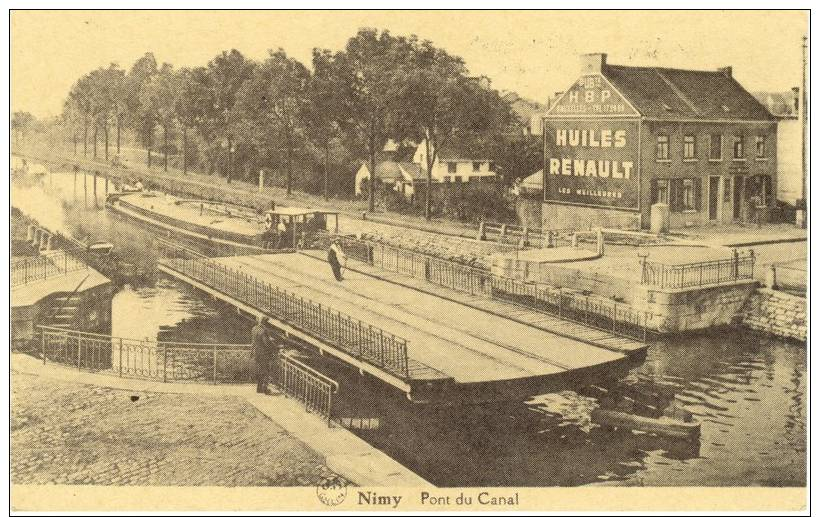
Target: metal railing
x=353, y=336
x=52, y=264
x=698, y=274
x=615, y=317
x=157, y=360
x=307, y=385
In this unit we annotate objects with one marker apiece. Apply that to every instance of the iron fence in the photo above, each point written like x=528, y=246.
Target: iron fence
x=56, y=263
x=357, y=338
x=698, y=274
x=157, y=360
x=615, y=317
x=310, y=387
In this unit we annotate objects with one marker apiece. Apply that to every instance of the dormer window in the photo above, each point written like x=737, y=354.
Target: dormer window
x=451, y=167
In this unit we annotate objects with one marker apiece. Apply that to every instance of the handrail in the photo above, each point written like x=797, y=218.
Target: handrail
x=177, y=344
x=614, y=317
x=43, y=267
x=698, y=274
x=364, y=341
x=289, y=356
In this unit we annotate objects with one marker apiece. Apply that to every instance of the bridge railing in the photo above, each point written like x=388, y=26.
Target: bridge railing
x=52, y=264
x=307, y=385
x=698, y=274
x=355, y=337
x=156, y=360
x=615, y=317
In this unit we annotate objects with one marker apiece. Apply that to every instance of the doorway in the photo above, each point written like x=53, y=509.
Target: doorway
x=737, y=197
x=714, y=187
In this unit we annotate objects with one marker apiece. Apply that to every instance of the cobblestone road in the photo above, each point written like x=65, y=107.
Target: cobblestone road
x=69, y=433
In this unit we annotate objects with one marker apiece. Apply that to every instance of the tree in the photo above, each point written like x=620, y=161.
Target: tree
x=193, y=95
x=158, y=97
x=105, y=90
x=224, y=76
x=440, y=102
x=21, y=124
x=139, y=119
x=273, y=102
x=325, y=115
x=369, y=66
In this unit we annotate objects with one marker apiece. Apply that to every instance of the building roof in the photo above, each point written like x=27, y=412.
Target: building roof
x=673, y=94
x=389, y=170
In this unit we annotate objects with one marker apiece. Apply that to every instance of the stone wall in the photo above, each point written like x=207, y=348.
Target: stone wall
x=679, y=310
x=777, y=313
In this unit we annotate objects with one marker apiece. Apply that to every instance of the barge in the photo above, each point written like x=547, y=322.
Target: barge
x=224, y=224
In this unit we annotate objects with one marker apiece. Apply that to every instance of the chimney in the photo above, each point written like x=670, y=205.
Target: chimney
x=592, y=63
x=796, y=99
x=726, y=70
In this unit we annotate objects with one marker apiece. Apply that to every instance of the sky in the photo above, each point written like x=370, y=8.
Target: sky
x=534, y=53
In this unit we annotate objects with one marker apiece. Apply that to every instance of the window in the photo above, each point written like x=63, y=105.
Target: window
x=492, y=166
x=451, y=167
x=688, y=196
x=738, y=148
x=689, y=147
x=716, y=147
x=476, y=166
x=727, y=190
x=661, y=192
x=458, y=179
x=685, y=195
x=446, y=179
x=662, y=152
x=760, y=147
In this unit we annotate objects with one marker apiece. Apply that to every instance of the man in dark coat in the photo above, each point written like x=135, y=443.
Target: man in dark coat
x=263, y=351
x=335, y=257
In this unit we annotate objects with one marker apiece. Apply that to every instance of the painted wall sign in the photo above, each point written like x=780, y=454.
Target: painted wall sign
x=592, y=162
x=592, y=95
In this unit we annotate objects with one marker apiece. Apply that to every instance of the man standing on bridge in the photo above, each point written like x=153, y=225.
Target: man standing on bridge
x=263, y=351
x=335, y=257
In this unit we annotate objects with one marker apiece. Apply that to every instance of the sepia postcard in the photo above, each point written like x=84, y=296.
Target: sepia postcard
x=395, y=261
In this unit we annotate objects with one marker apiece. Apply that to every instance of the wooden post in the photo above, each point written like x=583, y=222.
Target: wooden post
x=214, y=364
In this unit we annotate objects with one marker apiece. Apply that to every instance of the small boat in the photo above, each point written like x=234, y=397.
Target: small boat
x=663, y=426
x=100, y=247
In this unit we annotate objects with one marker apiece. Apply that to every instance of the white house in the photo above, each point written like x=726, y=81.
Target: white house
x=449, y=167
x=400, y=176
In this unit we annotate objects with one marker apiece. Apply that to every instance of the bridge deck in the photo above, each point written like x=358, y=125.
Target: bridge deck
x=519, y=313
x=461, y=342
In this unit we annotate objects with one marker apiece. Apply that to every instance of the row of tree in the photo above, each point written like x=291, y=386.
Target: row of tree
x=379, y=87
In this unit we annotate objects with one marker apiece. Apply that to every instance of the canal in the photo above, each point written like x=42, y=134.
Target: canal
x=748, y=391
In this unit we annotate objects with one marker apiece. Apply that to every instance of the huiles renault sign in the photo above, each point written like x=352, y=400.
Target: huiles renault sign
x=591, y=147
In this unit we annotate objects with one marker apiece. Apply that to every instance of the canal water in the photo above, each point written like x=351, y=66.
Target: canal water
x=748, y=391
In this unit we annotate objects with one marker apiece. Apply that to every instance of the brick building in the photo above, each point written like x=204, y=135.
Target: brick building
x=622, y=138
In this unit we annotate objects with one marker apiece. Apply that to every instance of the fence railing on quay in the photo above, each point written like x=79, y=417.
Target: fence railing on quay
x=615, y=317
x=156, y=360
x=351, y=335
x=311, y=387
x=698, y=274
x=52, y=264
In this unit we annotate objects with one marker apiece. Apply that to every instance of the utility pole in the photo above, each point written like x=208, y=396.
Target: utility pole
x=804, y=99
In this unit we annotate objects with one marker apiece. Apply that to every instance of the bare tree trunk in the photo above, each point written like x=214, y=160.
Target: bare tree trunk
x=371, y=187
x=427, y=193
x=85, y=139
x=184, y=149
x=105, y=132
x=96, y=126
x=289, y=156
x=230, y=158
x=327, y=166
x=165, y=144
x=150, y=144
